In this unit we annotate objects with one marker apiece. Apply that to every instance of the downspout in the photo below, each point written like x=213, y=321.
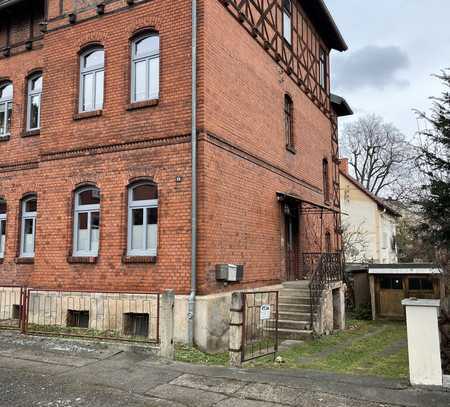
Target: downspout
x=191, y=301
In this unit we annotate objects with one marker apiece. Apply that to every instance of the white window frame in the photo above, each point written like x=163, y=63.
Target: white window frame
x=93, y=70
x=25, y=216
x=3, y=220
x=7, y=102
x=89, y=209
x=287, y=21
x=31, y=94
x=155, y=54
x=144, y=205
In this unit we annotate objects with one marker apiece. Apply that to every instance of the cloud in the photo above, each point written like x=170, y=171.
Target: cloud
x=371, y=66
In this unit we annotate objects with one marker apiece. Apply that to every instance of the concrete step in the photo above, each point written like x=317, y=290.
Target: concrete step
x=293, y=334
x=296, y=291
x=297, y=325
x=294, y=316
x=289, y=307
x=296, y=284
x=291, y=299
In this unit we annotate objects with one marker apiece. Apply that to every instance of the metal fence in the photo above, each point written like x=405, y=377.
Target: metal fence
x=11, y=307
x=260, y=324
x=102, y=315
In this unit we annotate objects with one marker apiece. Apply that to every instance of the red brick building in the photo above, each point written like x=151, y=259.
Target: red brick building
x=95, y=144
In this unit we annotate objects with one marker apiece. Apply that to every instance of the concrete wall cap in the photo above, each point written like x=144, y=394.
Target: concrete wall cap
x=418, y=302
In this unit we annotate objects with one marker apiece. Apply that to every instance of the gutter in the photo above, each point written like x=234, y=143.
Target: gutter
x=191, y=301
x=6, y=3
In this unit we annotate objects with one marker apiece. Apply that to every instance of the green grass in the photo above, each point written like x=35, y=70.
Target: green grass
x=365, y=348
x=193, y=355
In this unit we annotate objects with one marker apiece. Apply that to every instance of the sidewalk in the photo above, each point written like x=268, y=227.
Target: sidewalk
x=67, y=373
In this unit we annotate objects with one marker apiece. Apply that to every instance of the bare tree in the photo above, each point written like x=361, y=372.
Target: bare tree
x=379, y=156
x=355, y=243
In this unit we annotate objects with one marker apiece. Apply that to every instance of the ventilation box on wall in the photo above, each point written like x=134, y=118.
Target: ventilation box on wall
x=229, y=272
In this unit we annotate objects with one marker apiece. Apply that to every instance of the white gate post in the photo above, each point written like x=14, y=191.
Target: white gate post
x=424, y=349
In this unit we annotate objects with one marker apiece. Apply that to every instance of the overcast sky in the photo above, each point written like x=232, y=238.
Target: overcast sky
x=394, y=47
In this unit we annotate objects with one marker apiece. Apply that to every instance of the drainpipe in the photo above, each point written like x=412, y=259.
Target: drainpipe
x=191, y=302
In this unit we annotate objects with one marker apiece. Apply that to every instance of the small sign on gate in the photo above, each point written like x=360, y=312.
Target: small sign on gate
x=264, y=314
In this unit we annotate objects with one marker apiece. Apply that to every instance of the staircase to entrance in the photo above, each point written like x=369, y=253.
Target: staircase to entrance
x=294, y=311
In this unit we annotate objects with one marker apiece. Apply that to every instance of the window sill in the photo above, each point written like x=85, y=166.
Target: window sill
x=143, y=104
x=291, y=149
x=4, y=138
x=31, y=133
x=139, y=259
x=82, y=260
x=24, y=260
x=87, y=115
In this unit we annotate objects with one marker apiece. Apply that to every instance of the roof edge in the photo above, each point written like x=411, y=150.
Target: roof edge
x=324, y=21
x=375, y=198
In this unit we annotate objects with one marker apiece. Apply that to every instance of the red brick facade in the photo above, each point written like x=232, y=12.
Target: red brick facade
x=243, y=160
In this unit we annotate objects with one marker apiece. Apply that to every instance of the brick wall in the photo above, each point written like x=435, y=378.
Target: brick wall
x=243, y=161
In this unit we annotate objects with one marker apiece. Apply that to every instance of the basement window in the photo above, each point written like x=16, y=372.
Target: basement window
x=16, y=311
x=135, y=324
x=77, y=319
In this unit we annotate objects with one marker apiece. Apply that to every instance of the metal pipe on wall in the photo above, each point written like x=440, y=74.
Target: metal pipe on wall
x=191, y=301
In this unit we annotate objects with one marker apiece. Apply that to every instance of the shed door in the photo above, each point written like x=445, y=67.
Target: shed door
x=390, y=296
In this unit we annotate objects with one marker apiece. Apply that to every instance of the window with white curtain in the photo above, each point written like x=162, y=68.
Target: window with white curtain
x=6, y=105
x=34, y=102
x=142, y=220
x=2, y=227
x=86, y=232
x=28, y=232
x=145, y=68
x=287, y=20
x=92, y=73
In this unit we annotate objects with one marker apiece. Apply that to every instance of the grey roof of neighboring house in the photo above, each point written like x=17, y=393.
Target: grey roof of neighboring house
x=380, y=202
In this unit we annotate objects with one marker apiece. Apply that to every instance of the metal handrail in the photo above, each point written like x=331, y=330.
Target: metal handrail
x=329, y=269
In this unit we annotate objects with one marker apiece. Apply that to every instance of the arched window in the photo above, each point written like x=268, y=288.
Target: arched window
x=145, y=68
x=287, y=20
x=28, y=231
x=326, y=181
x=92, y=71
x=6, y=99
x=34, y=102
x=289, y=121
x=142, y=219
x=2, y=227
x=86, y=232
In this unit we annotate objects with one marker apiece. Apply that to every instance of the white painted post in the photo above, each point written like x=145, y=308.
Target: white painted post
x=424, y=348
x=166, y=324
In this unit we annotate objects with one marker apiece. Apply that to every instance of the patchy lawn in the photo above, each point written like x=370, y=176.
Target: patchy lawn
x=366, y=348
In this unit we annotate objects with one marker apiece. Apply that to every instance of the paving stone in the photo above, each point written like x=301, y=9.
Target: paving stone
x=189, y=396
x=270, y=393
x=214, y=384
x=232, y=402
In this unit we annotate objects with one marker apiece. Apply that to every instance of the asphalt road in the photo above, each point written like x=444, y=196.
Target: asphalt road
x=56, y=373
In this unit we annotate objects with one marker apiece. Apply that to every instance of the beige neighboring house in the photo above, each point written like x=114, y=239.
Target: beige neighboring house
x=369, y=224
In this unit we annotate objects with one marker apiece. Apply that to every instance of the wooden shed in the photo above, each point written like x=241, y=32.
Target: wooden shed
x=391, y=283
